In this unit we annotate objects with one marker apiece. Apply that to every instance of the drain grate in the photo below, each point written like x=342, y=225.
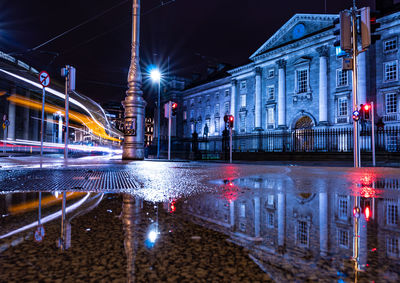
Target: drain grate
x=65, y=179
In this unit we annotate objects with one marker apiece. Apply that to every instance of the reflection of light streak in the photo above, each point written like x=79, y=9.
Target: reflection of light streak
x=46, y=201
x=89, y=122
x=47, y=218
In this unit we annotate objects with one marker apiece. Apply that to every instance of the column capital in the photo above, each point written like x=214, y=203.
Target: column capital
x=258, y=71
x=281, y=63
x=323, y=51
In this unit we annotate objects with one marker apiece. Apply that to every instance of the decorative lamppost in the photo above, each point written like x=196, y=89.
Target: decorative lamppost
x=134, y=103
x=156, y=77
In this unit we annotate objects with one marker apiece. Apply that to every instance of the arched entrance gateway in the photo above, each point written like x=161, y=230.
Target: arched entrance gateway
x=303, y=134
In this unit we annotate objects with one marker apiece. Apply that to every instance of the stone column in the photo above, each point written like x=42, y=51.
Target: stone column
x=362, y=78
x=26, y=119
x=323, y=52
x=233, y=101
x=281, y=215
x=281, y=93
x=257, y=216
x=323, y=221
x=11, y=118
x=258, y=100
x=232, y=214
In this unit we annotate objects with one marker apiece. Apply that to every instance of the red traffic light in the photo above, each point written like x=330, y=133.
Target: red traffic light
x=174, y=105
x=367, y=107
x=367, y=213
x=231, y=118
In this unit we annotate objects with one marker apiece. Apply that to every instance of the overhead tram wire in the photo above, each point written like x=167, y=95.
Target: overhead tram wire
x=117, y=27
x=78, y=26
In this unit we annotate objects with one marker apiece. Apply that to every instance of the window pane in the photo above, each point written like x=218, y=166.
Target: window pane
x=390, y=71
x=391, y=103
x=302, y=80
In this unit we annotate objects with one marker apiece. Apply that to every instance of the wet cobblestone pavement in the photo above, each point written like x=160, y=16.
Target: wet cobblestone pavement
x=191, y=222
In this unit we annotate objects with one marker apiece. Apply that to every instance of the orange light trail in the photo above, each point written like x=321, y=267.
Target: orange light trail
x=73, y=115
x=46, y=201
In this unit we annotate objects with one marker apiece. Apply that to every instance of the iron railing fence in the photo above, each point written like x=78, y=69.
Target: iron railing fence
x=302, y=140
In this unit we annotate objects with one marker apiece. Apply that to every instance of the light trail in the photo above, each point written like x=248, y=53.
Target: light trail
x=56, y=93
x=47, y=218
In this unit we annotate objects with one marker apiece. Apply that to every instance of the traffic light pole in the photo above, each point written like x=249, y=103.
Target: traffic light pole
x=169, y=128
x=356, y=133
x=230, y=144
x=373, y=134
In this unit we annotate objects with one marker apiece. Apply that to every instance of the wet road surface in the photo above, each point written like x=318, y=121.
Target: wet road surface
x=191, y=222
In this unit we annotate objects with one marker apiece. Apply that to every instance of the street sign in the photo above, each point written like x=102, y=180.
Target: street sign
x=4, y=117
x=7, y=123
x=4, y=126
x=44, y=79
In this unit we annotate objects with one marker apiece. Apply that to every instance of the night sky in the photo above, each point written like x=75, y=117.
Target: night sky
x=191, y=33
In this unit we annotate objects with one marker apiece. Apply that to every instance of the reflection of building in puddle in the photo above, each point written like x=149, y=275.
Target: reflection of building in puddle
x=306, y=228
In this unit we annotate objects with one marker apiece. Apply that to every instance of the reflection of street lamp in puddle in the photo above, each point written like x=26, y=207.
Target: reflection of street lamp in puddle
x=153, y=232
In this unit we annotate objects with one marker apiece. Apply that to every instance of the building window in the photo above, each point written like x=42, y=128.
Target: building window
x=271, y=92
x=271, y=73
x=342, y=78
x=392, y=246
x=226, y=92
x=208, y=123
x=192, y=128
x=342, y=107
x=343, y=207
x=226, y=108
x=343, y=238
x=242, y=211
x=243, y=85
x=198, y=130
x=208, y=98
x=270, y=117
x=217, y=128
x=192, y=101
x=270, y=220
x=243, y=123
x=270, y=200
x=390, y=71
x=199, y=99
x=216, y=109
x=184, y=115
x=390, y=44
x=302, y=233
x=191, y=114
x=392, y=213
x=391, y=103
x=208, y=110
x=243, y=100
x=217, y=96
x=302, y=80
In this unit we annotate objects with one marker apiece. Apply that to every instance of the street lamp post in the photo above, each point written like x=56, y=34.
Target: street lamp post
x=134, y=103
x=156, y=77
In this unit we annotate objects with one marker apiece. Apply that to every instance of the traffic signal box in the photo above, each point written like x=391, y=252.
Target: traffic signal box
x=228, y=119
x=366, y=27
x=174, y=108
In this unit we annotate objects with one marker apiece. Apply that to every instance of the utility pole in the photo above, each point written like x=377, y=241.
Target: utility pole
x=356, y=133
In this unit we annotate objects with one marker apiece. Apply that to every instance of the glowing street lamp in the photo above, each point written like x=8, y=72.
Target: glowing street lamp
x=155, y=76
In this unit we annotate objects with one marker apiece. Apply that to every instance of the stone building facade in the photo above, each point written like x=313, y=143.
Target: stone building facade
x=295, y=81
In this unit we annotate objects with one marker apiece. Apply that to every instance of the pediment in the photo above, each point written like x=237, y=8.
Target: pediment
x=298, y=27
x=302, y=60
